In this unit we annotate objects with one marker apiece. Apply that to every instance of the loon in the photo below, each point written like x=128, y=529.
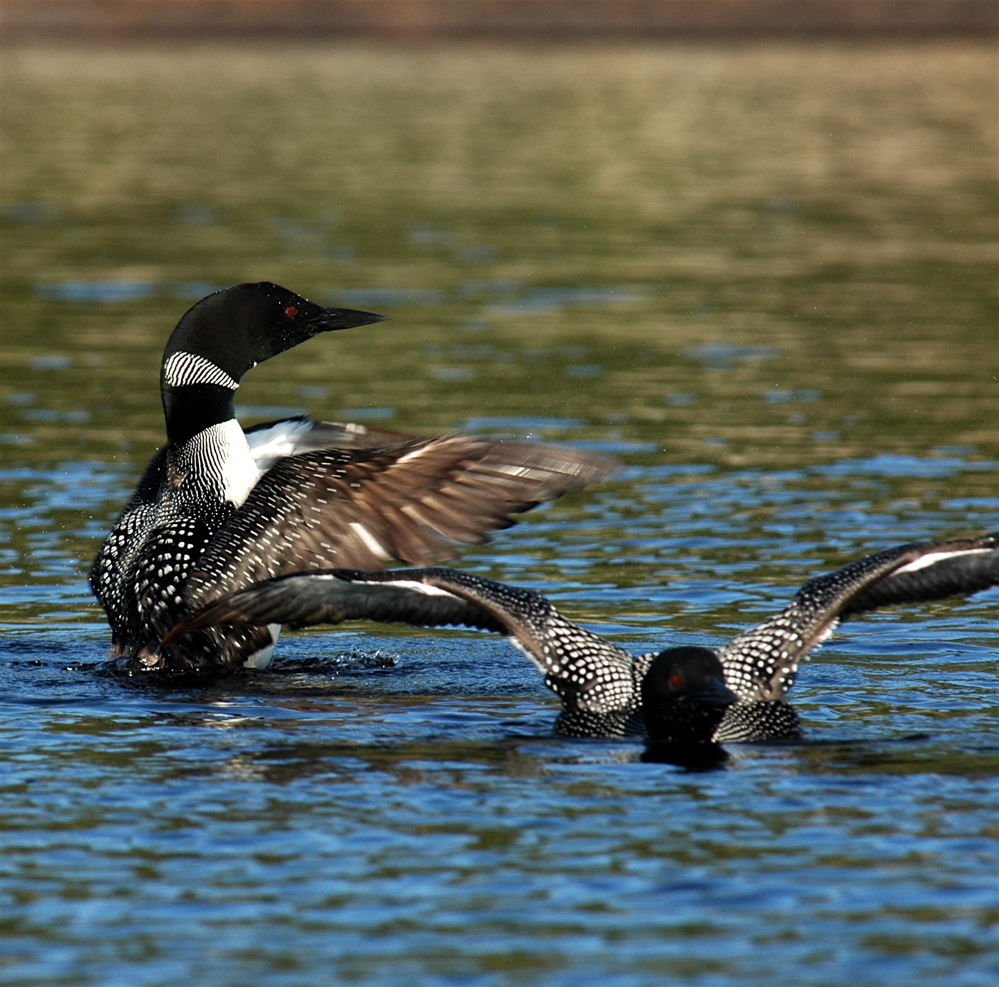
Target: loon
x=219, y=508
x=682, y=696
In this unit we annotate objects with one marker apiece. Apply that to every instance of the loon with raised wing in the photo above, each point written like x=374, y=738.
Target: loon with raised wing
x=219, y=507
x=680, y=697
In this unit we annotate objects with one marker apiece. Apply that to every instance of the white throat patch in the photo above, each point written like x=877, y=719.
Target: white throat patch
x=189, y=368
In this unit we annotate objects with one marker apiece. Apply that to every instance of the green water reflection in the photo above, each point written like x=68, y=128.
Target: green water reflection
x=772, y=254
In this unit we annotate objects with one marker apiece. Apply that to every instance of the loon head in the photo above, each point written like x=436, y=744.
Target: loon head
x=684, y=696
x=228, y=333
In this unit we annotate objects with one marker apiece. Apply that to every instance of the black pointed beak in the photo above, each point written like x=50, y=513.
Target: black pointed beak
x=714, y=693
x=343, y=318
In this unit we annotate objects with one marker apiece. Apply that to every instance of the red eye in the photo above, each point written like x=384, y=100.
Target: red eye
x=676, y=681
x=291, y=311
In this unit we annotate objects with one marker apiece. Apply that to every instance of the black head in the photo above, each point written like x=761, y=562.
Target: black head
x=684, y=696
x=228, y=333
x=239, y=327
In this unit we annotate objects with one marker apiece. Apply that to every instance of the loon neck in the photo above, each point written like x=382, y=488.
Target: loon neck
x=191, y=408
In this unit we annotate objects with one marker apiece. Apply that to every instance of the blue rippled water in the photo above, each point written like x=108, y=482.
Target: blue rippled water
x=390, y=807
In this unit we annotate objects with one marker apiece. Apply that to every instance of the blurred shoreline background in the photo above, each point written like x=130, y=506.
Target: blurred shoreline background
x=427, y=20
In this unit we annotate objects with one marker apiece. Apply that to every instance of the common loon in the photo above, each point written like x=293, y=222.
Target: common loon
x=680, y=696
x=219, y=508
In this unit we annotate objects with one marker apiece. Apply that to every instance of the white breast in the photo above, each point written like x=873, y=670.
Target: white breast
x=223, y=454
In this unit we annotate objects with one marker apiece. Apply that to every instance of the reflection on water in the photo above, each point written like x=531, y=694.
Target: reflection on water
x=761, y=276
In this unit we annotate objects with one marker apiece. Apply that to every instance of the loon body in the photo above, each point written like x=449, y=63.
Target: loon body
x=219, y=508
x=681, y=697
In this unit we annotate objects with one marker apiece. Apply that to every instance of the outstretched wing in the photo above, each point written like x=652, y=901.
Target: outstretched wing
x=586, y=671
x=303, y=599
x=760, y=663
x=358, y=508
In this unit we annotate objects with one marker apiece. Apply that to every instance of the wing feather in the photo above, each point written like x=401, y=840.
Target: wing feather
x=357, y=508
x=590, y=675
x=760, y=664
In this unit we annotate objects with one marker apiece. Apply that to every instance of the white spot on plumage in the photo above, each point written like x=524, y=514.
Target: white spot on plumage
x=932, y=558
x=370, y=542
x=414, y=587
x=410, y=456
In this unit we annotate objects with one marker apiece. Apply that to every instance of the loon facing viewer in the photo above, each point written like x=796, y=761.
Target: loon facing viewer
x=219, y=508
x=678, y=697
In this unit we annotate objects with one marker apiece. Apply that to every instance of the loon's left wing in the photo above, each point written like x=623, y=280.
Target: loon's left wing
x=760, y=664
x=357, y=509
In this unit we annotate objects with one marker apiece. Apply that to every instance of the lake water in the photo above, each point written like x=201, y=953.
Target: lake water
x=763, y=277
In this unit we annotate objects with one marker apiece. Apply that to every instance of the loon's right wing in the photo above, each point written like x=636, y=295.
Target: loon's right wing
x=586, y=671
x=418, y=597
